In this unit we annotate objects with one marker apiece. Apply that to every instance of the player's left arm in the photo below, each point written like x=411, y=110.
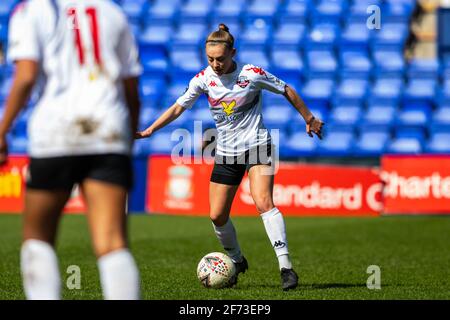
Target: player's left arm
x=313, y=124
x=26, y=75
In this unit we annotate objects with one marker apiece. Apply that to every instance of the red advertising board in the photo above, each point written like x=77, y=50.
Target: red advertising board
x=416, y=184
x=299, y=190
x=12, y=188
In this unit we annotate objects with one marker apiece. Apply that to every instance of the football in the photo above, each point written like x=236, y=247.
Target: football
x=215, y=270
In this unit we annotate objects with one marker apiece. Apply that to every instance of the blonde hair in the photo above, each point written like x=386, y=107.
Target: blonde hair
x=221, y=36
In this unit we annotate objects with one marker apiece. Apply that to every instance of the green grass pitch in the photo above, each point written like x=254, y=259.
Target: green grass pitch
x=331, y=256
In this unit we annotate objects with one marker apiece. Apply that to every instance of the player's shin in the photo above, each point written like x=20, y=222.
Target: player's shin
x=119, y=276
x=276, y=230
x=40, y=272
x=228, y=238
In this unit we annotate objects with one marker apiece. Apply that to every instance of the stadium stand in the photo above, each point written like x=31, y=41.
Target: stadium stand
x=358, y=80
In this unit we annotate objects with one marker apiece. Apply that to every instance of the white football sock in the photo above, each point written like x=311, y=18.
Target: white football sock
x=119, y=276
x=228, y=238
x=40, y=272
x=276, y=230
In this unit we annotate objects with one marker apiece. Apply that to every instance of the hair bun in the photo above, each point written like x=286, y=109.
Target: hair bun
x=223, y=27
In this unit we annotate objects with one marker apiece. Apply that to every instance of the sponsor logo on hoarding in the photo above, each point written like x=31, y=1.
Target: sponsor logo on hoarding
x=179, y=187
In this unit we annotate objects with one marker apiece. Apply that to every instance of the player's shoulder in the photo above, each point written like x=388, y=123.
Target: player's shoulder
x=114, y=11
x=202, y=75
x=251, y=70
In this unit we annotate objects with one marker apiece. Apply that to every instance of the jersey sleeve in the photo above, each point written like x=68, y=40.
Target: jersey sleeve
x=23, y=35
x=267, y=81
x=190, y=96
x=129, y=54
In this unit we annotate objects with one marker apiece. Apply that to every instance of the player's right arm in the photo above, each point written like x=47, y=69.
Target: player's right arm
x=186, y=101
x=167, y=117
x=24, y=49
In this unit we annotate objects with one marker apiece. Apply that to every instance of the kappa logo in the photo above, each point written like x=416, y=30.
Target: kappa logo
x=279, y=244
x=243, y=82
x=257, y=70
x=213, y=84
x=228, y=108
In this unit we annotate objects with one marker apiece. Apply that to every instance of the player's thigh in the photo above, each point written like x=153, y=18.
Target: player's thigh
x=106, y=204
x=42, y=212
x=220, y=200
x=261, y=187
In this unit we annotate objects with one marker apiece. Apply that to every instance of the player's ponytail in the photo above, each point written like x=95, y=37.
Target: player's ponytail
x=221, y=36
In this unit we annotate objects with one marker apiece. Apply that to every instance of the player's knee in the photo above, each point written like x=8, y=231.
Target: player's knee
x=263, y=203
x=105, y=247
x=218, y=219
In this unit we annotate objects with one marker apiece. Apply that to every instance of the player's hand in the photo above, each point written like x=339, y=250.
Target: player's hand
x=314, y=126
x=3, y=150
x=143, y=134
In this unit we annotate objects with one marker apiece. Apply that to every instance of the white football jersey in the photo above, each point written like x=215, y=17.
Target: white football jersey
x=85, y=49
x=235, y=102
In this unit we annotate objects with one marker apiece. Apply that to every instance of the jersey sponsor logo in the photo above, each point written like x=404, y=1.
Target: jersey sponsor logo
x=243, y=82
x=279, y=244
x=228, y=108
x=257, y=70
x=212, y=84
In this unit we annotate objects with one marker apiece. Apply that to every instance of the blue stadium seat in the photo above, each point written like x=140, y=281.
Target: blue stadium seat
x=254, y=56
x=420, y=91
x=147, y=116
x=345, y=115
x=321, y=64
x=295, y=11
x=337, y=141
x=185, y=59
x=379, y=116
x=441, y=117
x=414, y=116
x=423, y=68
x=443, y=93
x=155, y=38
x=196, y=11
x=392, y=36
x=261, y=9
x=229, y=9
x=162, y=12
x=355, y=36
x=351, y=91
x=354, y=64
x=289, y=34
x=202, y=113
x=286, y=61
x=388, y=63
x=256, y=33
x=18, y=145
x=154, y=60
x=371, y=142
x=299, y=144
x=318, y=92
x=386, y=90
x=329, y=11
x=397, y=11
x=357, y=12
x=439, y=142
x=161, y=143
x=322, y=36
x=152, y=88
x=278, y=116
x=190, y=34
x=407, y=141
x=134, y=9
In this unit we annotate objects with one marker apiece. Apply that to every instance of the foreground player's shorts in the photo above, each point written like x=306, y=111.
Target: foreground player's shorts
x=231, y=170
x=61, y=173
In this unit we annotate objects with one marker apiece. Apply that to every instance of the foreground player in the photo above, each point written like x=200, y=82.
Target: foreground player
x=234, y=94
x=81, y=131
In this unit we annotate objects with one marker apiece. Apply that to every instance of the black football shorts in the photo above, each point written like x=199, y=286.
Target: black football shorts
x=231, y=170
x=61, y=173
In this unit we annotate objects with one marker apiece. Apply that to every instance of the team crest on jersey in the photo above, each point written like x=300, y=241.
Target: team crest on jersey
x=243, y=82
x=228, y=108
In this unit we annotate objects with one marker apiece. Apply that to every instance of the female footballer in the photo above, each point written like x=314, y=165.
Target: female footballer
x=81, y=132
x=234, y=92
